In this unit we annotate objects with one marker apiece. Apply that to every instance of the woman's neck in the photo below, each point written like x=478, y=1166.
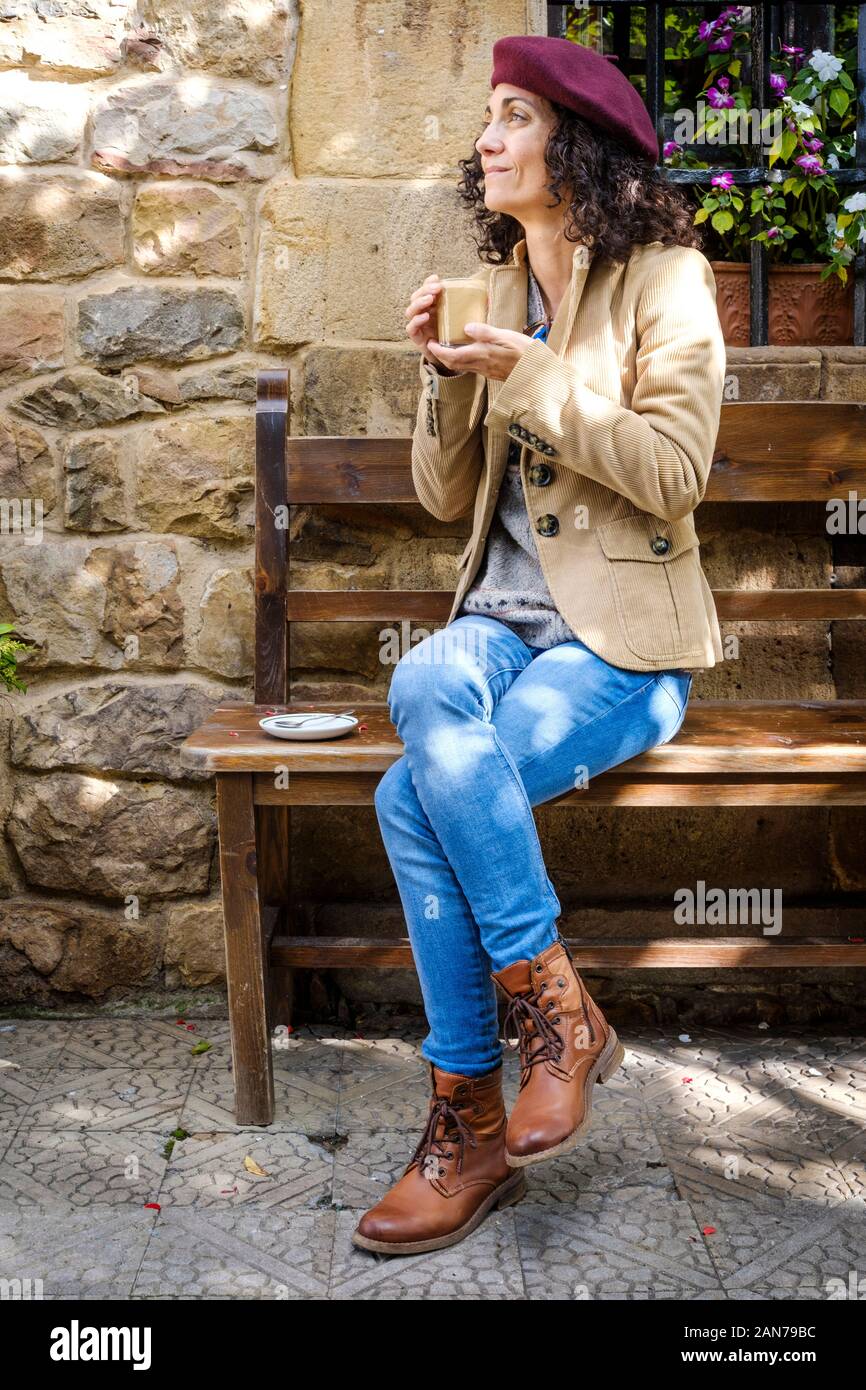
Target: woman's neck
x=552, y=261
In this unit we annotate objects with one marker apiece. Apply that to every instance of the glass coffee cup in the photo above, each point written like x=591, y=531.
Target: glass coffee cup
x=461, y=301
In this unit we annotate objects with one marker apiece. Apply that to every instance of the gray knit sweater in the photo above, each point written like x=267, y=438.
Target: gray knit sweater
x=510, y=585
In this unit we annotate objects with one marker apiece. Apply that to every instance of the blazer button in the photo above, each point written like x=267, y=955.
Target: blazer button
x=540, y=475
x=660, y=544
x=547, y=525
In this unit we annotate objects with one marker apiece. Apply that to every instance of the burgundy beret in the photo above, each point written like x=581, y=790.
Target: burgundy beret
x=581, y=79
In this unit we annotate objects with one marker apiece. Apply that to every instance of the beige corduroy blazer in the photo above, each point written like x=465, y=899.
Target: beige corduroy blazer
x=617, y=415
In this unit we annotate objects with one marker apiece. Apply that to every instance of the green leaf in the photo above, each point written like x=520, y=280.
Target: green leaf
x=701, y=216
x=200, y=1047
x=839, y=101
x=789, y=144
x=723, y=221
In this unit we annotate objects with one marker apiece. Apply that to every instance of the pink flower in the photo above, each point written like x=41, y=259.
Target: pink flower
x=719, y=99
x=796, y=54
x=669, y=148
x=813, y=145
x=724, y=180
x=810, y=164
x=723, y=82
x=778, y=82
x=723, y=42
x=706, y=28
x=772, y=233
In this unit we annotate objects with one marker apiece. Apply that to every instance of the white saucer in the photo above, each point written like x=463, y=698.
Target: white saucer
x=316, y=724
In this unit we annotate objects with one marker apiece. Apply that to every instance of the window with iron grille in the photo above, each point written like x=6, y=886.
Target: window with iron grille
x=645, y=41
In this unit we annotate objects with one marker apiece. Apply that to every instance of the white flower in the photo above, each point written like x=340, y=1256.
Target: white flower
x=832, y=161
x=827, y=65
x=861, y=235
x=830, y=222
x=855, y=202
x=798, y=108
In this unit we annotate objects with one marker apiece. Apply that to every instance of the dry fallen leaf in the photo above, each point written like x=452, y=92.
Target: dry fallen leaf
x=252, y=1167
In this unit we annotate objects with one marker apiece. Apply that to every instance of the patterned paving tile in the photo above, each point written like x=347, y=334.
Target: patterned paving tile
x=629, y=1242
x=696, y=1091
x=50, y=1168
x=19, y=1087
x=766, y=1244
x=483, y=1266
x=243, y=1252
x=109, y=1098
x=33, y=1043
x=381, y=1089
x=366, y=1165
x=93, y=1252
x=771, y=1156
x=145, y=1044
x=765, y=1142
x=306, y=1091
x=207, y=1170
x=608, y=1157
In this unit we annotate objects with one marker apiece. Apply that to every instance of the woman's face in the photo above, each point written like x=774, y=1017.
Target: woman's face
x=514, y=139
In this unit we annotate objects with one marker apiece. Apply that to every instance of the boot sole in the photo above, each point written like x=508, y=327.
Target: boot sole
x=610, y=1057
x=506, y=1195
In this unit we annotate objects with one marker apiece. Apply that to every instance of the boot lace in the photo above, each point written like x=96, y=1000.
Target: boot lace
x=432, y=1149
x=524, y=1010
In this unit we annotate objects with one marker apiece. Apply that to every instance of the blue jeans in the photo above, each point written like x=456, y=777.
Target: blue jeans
x=492, y=727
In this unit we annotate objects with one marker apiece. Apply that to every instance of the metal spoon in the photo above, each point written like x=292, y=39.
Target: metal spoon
x=294, y=721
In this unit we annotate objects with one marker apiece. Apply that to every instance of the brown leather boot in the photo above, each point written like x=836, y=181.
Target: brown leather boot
x=457, y=1174
x=565, y=1044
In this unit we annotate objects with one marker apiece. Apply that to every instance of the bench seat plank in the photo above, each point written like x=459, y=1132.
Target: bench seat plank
x=323, y=952
x=746, y=737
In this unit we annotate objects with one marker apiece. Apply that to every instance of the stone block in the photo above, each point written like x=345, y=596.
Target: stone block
x=58, y=228
x=77, y=834
x=192, y=126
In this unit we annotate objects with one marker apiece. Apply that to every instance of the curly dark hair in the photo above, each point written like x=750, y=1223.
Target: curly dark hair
x=624, y=200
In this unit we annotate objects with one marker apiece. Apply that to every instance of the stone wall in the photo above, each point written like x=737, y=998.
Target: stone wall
x=189, y=192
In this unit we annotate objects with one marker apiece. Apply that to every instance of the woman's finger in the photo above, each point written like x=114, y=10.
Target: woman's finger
x=417, y=324
x=417, y=302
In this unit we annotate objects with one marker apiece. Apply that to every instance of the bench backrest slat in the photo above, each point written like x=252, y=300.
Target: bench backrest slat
x=777, y=451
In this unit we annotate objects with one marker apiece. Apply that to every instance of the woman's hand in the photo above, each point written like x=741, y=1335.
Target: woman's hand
x=492, y=353
x=421, y=316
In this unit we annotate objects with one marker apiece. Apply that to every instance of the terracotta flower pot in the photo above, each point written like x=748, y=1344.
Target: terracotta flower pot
x=804, y=311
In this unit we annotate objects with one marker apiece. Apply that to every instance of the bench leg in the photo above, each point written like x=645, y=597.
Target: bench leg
x=246, y=951
x=272, y=828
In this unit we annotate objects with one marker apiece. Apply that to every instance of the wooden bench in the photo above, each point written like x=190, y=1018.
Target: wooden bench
x=742, y=753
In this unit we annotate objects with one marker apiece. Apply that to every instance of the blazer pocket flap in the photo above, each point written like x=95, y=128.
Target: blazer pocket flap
x=632, y=537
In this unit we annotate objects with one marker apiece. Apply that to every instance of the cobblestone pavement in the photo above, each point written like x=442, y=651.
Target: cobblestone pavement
x=729, y=1166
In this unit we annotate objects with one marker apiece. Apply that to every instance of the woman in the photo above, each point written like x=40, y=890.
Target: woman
x=582, y=445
